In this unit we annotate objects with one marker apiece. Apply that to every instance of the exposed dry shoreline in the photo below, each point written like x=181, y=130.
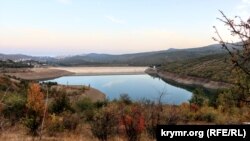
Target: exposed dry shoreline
x=40, y=74
x=103, y=70
x=189, y=80
x=54, y=72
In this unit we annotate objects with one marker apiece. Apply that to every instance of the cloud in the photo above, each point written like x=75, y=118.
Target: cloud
x=115, y=20
x=65, y=1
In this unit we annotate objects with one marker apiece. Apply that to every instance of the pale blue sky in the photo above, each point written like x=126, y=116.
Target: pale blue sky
x=63, y=27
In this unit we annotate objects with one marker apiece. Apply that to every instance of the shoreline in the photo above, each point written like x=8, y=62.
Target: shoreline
x=189, y=80
x=56, y=72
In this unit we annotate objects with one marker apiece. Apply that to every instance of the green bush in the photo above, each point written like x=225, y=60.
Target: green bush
x=60, y=104
x=84, y=104
x=32, y=122
x=14, y=107
x=86, y=107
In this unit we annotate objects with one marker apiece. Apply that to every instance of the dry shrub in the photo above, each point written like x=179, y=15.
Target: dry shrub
x=173, y=115
x=54, y=125
x=35, y=99
x=208, y=114
x=64, y=122
x=104, y=123
x=70, y=121
x=187, y=112
x=35, y=108
x=133, y=121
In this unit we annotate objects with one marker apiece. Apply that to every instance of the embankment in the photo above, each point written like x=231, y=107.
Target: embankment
x=188, y=80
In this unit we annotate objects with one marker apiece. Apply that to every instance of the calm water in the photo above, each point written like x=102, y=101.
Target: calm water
x=136, y=86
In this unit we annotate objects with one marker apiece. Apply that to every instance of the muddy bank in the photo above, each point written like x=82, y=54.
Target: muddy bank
x=188, y=80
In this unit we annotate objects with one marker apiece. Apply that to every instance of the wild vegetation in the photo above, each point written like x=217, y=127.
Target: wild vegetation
x=209, y=67
x=26, y=113
x=30, y=110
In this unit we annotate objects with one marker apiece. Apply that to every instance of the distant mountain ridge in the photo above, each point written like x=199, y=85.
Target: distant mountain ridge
x=138, y=59
x=144, y=58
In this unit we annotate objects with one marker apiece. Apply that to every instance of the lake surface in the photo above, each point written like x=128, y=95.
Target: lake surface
x=136, y=86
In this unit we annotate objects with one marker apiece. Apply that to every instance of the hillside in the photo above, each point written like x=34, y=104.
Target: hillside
x=141, y=59
x=214, y=67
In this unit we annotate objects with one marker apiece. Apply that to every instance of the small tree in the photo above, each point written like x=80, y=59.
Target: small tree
x=239, y=53
x=35, y=108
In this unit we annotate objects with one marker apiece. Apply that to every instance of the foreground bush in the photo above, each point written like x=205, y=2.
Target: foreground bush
x=132, y=119
x=55, y=124
x=35, y=109
x=14, y=107
x=64, y=122
x=104, y=123
x=85, y=107
x=60, y=104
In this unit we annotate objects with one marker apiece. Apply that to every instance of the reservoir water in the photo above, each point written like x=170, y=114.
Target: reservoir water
x=136, y=86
